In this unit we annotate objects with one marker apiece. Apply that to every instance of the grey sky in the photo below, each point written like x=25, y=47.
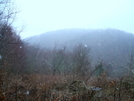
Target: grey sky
x=41, y=16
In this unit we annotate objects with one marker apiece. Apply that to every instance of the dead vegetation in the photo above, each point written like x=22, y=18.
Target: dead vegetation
x=37, y=87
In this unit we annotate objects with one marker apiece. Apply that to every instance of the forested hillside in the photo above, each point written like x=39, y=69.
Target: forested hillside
x=110, y=45
x=65, y=65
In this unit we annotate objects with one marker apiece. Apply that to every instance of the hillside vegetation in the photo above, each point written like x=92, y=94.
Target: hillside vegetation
x=65, y=65
x=111, y=45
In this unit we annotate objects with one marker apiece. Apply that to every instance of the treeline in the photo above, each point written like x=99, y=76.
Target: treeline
x=77, y=61
x=30, y=73
x=16, y=56
x=20, y=57
x=59, y=61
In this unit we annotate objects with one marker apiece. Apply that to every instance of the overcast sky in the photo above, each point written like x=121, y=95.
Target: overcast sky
x=40, y=16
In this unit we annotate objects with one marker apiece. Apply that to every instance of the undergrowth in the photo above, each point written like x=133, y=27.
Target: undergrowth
x=36, y=87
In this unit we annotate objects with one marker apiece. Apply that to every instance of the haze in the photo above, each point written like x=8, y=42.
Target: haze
x=40, y=16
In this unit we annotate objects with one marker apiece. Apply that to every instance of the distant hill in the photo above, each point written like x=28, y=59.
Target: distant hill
x=110, y=45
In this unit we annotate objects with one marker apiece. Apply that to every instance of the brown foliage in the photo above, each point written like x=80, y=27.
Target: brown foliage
x=37, y=87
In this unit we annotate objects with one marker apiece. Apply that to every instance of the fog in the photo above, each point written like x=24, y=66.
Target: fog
x=78, y=50
x=47, y=15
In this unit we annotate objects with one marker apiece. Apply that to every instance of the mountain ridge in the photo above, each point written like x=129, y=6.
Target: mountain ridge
x=111, y=45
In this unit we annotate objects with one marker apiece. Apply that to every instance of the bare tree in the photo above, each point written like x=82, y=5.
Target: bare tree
x=11, y=46
x=57, y=60
x=81, y=60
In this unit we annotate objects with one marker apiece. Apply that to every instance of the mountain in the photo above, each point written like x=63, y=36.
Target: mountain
x=110, y=45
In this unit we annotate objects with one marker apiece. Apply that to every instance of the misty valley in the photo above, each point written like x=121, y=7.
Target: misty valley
x=66, y=50
x=67, y=65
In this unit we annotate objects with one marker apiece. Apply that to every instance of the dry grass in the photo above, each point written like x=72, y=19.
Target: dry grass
x=37, y=87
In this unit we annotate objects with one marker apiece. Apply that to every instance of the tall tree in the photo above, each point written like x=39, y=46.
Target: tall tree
x=11, y=46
